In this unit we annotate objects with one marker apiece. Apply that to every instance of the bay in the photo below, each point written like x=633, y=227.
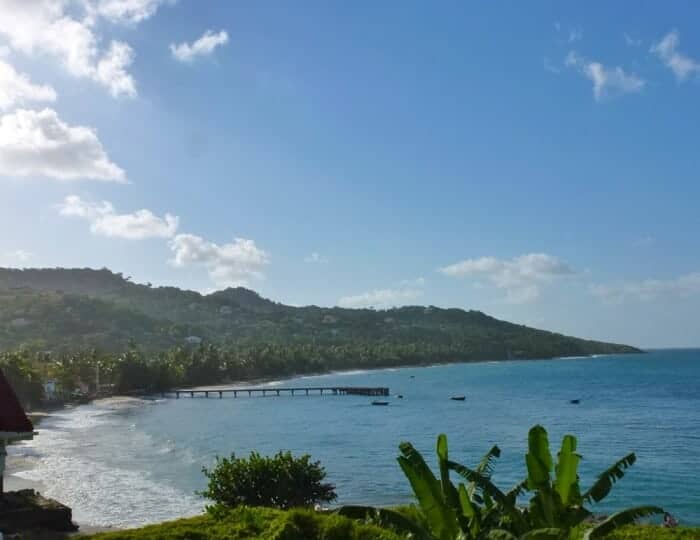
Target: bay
x=126, y=466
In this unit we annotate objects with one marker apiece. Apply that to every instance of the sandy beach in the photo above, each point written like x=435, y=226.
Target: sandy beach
x=19, y=459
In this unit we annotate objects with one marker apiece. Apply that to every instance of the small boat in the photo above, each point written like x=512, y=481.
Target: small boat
x=412, y=377
x=377, y=402
x=400, y=396
x=458, y=398
x=575, y=401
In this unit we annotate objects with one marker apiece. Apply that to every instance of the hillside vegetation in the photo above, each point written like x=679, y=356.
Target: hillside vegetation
x=71, y=309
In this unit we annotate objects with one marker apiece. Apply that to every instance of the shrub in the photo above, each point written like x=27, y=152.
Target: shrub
x=281, y=481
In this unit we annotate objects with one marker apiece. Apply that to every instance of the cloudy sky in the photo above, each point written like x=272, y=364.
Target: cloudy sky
x=535, y=162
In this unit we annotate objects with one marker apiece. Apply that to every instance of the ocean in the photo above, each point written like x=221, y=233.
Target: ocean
x=125, y=465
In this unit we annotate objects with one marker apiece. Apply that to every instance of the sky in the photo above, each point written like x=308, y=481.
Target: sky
x=536, y=161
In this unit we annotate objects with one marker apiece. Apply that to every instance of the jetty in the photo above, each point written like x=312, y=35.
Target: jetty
x=274, y=391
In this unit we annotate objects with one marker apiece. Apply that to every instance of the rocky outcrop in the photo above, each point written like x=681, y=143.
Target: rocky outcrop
x=27, y=509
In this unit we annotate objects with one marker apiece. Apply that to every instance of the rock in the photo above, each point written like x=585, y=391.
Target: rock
x=28, y=510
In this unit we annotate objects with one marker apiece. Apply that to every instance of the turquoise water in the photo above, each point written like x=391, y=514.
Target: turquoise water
x=148, y=458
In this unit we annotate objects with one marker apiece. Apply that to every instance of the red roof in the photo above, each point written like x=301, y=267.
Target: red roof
x=12, y=417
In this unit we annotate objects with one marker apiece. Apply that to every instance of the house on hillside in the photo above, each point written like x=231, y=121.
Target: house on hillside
x=14, y=424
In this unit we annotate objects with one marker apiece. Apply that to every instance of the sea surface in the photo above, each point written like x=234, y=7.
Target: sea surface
x=125, y=466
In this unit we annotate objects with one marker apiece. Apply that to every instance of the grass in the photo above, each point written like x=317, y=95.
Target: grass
x=256, y=524
x=269, y=524
x=647, y=532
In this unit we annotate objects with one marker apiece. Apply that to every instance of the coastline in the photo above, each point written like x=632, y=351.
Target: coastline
x=283, y=378
x=18, y=463
x=22, y=461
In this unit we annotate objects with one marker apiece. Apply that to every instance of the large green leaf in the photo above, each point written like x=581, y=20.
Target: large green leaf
x=481, y=481
x=448, y=490
x=506, y=505
x=566, y=481
x=517, y=490
x=385, y=518
x=625, y=517
x=545, y=507
x=441, y=518
x=470, y=511
x=538, y=458
x=485, y=466
x=600, y=489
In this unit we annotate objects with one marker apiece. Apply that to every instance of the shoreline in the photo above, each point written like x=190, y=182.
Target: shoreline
x=283, y=378
x=18, y=462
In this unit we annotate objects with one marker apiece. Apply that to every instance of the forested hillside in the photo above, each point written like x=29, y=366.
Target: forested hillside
x=72, y=309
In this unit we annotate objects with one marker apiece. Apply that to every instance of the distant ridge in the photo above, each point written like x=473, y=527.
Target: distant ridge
x=68, y=309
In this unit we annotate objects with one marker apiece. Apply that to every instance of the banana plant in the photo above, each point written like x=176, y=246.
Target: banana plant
x=479, y=510
x=462, y=512
x=557, y=502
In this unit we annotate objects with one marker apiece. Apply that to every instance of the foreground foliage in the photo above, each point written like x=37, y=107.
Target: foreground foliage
x=257, y=524
x=268, y=524
x=281, y=481
x=647, y=532
x=479, y=510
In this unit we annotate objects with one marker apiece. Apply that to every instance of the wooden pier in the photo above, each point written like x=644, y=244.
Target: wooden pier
x=273, y=391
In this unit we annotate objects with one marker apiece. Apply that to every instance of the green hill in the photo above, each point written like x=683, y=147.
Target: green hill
x=69, y=309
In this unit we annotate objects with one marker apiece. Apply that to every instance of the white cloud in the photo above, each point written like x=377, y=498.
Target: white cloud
x=316, y=258
x=649, y=289
x=111, y=70
x=17, y=89
x=39, y=143
x=45, y=27
x=186, y=52
x=607, y=81
x=521, y=277
x=679, y=63
x=381, y=298
x=228, y=265
x=632, y=42
x=404, y=292
x=105, y=221
x=125, y=11
x=19, y=255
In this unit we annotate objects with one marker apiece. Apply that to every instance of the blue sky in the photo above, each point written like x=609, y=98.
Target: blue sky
x=537, y=162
